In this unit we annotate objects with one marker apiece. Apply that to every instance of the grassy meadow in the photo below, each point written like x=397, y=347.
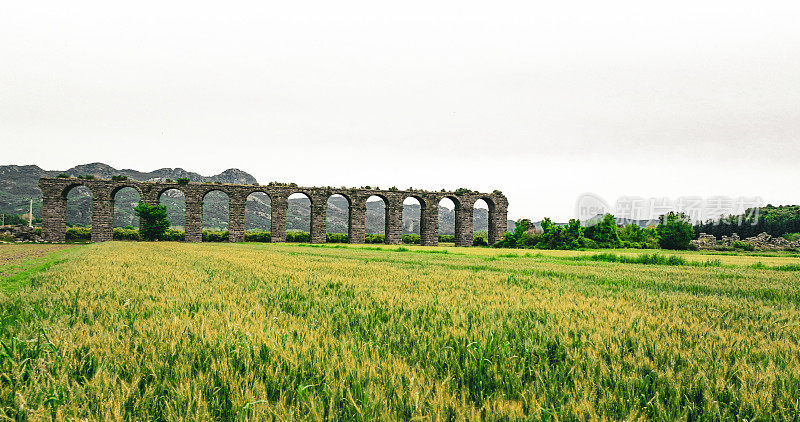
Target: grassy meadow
x=172, y=331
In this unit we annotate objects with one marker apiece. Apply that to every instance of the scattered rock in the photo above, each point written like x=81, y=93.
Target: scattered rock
x=762, y=242
x=21, y=233
x=705, y=241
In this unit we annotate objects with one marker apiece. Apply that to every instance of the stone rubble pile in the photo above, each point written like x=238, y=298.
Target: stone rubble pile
x=762, y=242
x=705, y=241
x=21, y=233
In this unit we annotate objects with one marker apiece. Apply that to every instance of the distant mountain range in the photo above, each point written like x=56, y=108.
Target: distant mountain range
x=18, y=184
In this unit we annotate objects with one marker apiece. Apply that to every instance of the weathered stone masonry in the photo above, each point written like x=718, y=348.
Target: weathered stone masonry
x=54, y=209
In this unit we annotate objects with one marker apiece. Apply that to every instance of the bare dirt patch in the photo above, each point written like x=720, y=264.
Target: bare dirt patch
x=16, y=257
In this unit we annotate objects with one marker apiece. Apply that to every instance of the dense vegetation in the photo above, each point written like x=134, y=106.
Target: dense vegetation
x=773, y=220
x=171, y=331
x=604, y=234
x=674, y=231
x=16, y=219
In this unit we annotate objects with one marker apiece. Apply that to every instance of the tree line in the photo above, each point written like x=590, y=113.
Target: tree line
x=674, y=231
x=776, y=221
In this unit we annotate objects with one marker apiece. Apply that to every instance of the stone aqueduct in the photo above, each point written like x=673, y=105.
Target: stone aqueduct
x=55, y=190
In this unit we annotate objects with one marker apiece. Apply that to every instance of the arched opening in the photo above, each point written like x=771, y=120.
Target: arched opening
x=257, y=216
x=215, y=216
x=79, y=207
x=125, y=200
x=337, y=218
x=447, y=220
x=79, y=213
x=298, y=218
x=175, y=201
x=412, y=220
x=375, y=220
x=480, y=222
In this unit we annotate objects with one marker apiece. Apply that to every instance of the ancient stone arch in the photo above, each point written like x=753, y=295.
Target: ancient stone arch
x=54, y=199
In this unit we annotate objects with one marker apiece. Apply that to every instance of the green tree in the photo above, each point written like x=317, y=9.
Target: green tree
x=546, y=224
x=634, y=236
x=674, y=231
x=605, y=232
x=519, y=238
x=154, y=222
x=13, y=219
x=574, y=234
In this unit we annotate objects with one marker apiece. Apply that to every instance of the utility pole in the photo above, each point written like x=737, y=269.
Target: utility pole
x=30, y=214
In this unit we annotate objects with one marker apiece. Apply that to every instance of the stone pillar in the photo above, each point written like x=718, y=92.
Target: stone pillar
x=394, y=222
x=358, y=214
x=464, y=220
x=319, y=205
x=429, y=224
x=193, y=220
x=278, y=206
x=102, y=216
x=498, y=222
x=54, y=218
x=235, y=221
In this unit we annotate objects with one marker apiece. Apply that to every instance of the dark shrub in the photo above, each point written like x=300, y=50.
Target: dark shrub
x=294, y=236
x=646, y=238
x=171, y=235
x=337, y=237
x=374, y=238
x=125, y=234
x=79, y=234
x=791, y=236
x=447, y=238
x=63, y=176
x=215, y=236
x=183, y=180
x=519, y=238
x=590, y=244
x=483, y=235
x=264, y=237
x=119, y=178
x=411, y=239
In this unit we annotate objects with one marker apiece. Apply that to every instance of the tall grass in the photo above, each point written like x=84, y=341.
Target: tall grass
x=261, y=331
x=648, y=259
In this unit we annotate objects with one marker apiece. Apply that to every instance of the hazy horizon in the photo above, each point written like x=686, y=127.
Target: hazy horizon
x=543, y=102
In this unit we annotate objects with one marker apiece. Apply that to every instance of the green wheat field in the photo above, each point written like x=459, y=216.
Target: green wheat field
x=172, y=331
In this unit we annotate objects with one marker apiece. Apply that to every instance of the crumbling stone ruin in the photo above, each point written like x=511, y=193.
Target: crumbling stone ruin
x=762, y=242
x=55, y=190
x=21, y=233
x=705, y=242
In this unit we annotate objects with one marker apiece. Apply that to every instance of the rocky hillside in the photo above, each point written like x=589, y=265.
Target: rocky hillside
x=18, y=184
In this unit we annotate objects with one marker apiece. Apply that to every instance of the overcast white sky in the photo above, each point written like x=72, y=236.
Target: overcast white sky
x=542, y=101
